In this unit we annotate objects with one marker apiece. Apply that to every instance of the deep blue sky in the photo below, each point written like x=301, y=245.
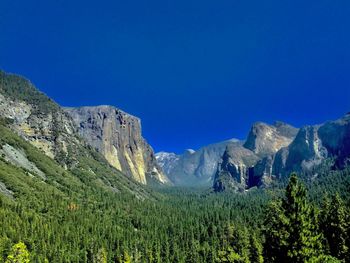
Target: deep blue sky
x=194, y=71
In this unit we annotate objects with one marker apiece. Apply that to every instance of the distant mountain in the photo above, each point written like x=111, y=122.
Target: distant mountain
x=167, y=161
x=194, y=168
x=281, y=149
x=205, y=166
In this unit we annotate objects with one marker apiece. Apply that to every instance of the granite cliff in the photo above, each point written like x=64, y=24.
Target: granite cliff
x=117, y=135
x=282, y=149
x=240, y=162
x=51, y=129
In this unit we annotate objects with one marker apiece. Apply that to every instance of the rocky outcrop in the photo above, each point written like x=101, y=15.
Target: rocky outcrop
x=251, y=164
x=234, y=171
x=335, y=138
x=310, y=148
x=36, y=117
x=313, y=145
x=117, y=135
x=194, y=168
x=265, y=139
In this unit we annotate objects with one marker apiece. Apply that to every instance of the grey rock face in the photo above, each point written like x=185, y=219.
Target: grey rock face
x=193, y=168
x=252, y=164
x=234, y=171
x=264, y=139
x=335, y=137
x=311, y=146
x=117, y=135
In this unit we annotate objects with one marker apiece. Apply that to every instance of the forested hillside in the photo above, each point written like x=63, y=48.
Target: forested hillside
x=61, y=219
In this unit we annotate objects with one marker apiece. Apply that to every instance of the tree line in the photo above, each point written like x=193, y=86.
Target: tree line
x=181, y=227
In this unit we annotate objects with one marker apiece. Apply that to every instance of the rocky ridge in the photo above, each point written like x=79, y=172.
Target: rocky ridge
x=240, y=163
x=298, y=152
x=50, y=128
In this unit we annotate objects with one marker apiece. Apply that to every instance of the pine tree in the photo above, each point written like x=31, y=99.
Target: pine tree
x=303, y=240
x=256, y=250
x=125, y=258
x=101, y=256
x=228, y=255
x=276, y=233
x=334, y=227
x=291, y=227
x=4, y=248
x=18, y=254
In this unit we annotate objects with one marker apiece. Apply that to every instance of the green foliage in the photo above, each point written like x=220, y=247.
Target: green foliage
x=291, y=227
x=92, y=213
x=101, y=256
x=229, y=255
x=256, y=249
x=323, y=259
x=18, y=254
x=20, y=89
x=125, y=258
x=334, y=225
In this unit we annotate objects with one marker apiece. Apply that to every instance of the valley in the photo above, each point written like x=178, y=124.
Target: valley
x=83, y=185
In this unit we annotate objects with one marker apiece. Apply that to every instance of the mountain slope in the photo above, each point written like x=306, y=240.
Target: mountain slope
x=45, y=125
x=26, y=170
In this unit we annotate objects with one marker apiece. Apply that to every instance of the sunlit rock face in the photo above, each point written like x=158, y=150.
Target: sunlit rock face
x=265, y=139
x=117, y=135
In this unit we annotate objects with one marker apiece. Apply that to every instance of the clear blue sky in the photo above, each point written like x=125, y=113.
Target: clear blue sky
x=194, y=71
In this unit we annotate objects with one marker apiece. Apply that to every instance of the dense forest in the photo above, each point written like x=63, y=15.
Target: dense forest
x=72, y=216
x=287, y=223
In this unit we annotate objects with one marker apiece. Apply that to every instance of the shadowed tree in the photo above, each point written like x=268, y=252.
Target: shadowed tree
x=291, y=227
x=334, y=226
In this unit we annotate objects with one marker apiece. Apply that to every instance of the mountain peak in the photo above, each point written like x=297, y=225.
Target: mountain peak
x=264, y=139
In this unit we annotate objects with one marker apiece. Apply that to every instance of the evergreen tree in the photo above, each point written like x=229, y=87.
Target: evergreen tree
x=18, y=254
x=291, y=233
x=4, y=248
x=228, y=255
x=125, y=258
x=334, y=227
x=101, y=256
x=276, y=233
x=256, y=250
x=303, y=240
